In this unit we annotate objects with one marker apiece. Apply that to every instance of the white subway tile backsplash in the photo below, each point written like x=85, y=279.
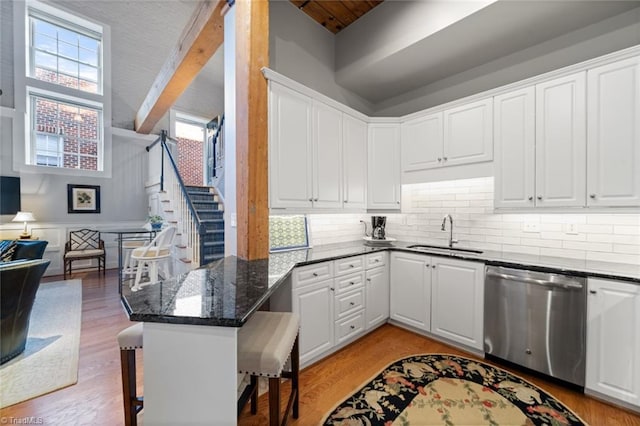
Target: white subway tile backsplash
x=612, y=237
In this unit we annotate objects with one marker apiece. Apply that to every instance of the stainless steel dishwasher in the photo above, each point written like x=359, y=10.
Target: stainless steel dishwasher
x=537, y=320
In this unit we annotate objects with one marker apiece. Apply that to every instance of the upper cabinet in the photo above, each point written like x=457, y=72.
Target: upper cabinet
x=561, y=142
x=468, y=133
x=514, y=143
x=290, y=148
x=455, y=136
x=327, y=156
x=383, y=175
x=613, y=134
x=354, y=149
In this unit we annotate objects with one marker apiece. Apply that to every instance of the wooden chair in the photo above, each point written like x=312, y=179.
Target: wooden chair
x=84, y=244
x=129, y=340
x=265, y=342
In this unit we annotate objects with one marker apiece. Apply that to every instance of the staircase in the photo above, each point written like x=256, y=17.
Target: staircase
x=210, y=211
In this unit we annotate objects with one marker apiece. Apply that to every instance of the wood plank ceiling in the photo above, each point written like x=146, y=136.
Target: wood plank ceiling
x=335, y=15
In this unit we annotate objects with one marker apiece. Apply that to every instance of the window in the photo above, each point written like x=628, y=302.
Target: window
x=190, y=132
x=59, y=86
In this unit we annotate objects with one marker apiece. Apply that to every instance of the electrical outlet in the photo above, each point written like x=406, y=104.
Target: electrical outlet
x=571, y=229
x=531, y=227
x=234, y=220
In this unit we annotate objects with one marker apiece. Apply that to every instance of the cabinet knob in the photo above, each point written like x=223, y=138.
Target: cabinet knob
x=377, y=260
x=332, y=289
x=527, y=351
x=346, y=201
x=369, y=279
x=593, y=292
x=315, y=274
x=427, y=265
x=397, y=202
x=444, y=158
x=593, y=196
x=531, y=198
x=539, y=197
x=352, y=303
x=351, y=266
x=310, y=199
x=353, y=327
x=351, y=283
x=439, y=159
x=315, y=199
x=433, y=266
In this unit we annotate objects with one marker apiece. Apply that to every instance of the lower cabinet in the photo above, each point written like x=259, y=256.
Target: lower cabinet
x=457, y=301
x=410, y=299
x=613, y=340
x=314, y=304
x=441, y=295
x=376, y=296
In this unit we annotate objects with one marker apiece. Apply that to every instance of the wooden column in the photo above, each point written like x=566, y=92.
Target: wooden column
x=252, y=53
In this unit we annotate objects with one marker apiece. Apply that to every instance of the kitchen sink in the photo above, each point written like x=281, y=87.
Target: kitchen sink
x=445, y=249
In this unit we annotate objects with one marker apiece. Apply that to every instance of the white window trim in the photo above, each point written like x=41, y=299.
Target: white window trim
x=24, y=84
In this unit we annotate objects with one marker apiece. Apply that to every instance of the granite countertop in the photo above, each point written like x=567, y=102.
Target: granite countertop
x=226, y=292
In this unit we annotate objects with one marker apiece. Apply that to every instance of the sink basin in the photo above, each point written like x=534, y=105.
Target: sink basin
x=445, y=249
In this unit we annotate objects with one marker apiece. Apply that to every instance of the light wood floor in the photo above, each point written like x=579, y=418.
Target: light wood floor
x=96, y=398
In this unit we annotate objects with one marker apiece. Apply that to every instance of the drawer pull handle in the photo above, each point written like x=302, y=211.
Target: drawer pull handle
x=377, y=260
x=351, y=266
x=315, y=274
x=353, y=327
x=427, y=265
x=369, y=279
x=352, y=303
x=351, y=283
x=332, y=289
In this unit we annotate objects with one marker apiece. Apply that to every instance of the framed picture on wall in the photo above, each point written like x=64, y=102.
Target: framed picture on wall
x=83, y=198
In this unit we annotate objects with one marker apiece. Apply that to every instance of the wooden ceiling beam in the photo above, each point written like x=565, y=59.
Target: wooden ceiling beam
x=200, y=39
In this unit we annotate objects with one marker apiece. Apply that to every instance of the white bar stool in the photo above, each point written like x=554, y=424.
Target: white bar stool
x=265, y=342
x=129, y=340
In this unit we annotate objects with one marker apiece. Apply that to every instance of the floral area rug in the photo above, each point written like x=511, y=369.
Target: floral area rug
x=437, y=389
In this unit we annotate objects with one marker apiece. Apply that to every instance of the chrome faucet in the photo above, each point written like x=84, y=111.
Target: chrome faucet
x=444, y=223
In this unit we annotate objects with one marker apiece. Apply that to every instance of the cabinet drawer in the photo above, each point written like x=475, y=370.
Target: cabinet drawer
x=349, y=282
x=348, y=303
x=349, y=265
x=373, y=260
x=349, y=327
x=312, y=274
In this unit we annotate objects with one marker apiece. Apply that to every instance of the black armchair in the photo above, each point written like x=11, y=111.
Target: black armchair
x=19, y=282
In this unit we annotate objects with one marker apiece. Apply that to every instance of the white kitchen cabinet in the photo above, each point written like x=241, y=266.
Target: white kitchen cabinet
x=468, y=133
x=315, y=304
x=354, y=167
x=613, y=340
x=613, y=134
x=561, y=142
x=290, y=148
x=457, y=300
x=421, y=142
x=327, y=156
x=377, y=296
x=383, y=174
x=514, y=144
x=410, y=289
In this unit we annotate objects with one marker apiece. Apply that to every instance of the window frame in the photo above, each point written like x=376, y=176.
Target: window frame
x=26, y=86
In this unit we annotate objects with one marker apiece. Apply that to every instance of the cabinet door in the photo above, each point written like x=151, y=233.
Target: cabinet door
x=314, y=304
x=327, y=155
x=290, y=148
x=384, y=166
x=514, y=138
x=377, y=296
x=560, y=142
x=354, y=167
x=613, y=134
x=421, y=143
x=613, y=340
x=410, y=288
x=457, y=300
x=468, y=133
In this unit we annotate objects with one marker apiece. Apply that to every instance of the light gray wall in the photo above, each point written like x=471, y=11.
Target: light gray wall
x=6, y=53
x=304, y=51
x=604, y=37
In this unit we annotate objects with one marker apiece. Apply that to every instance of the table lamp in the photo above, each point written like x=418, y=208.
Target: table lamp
x=24, y=217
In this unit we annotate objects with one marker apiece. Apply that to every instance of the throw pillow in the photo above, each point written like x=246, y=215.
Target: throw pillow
x=7, y=251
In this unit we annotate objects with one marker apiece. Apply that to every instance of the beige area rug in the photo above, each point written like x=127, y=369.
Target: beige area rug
x=438, y=389
x=50, y=359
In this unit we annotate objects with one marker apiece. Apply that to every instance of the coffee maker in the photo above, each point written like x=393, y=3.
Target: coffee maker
x=377, y=227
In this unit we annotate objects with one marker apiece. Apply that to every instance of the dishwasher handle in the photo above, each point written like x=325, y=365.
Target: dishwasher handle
x=528, y=280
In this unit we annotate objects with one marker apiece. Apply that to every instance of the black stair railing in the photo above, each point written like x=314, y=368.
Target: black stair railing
x=191, y=224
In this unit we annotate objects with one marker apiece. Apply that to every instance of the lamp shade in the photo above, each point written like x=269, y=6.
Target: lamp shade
x=24, y=217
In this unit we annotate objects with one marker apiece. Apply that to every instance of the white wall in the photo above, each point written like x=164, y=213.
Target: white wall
x=604, y=37
x=304, y=51
x=229, y=134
